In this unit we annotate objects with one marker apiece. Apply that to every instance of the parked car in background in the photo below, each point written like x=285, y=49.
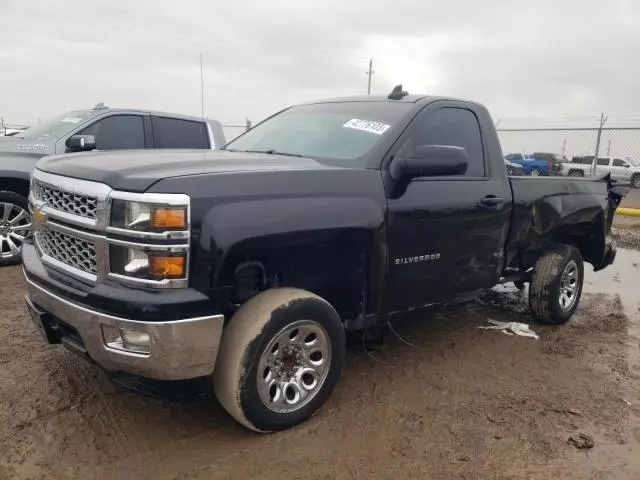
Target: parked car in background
x=513, y=169
x=621, y=169
x=101, y=128
x=537, y=164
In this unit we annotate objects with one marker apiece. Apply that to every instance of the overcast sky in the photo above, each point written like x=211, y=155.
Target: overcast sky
x=542, y=58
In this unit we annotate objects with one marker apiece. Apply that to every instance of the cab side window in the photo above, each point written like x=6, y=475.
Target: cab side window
x=619, y=163
x=457, y=127
x=117, y=132
x=178, y=133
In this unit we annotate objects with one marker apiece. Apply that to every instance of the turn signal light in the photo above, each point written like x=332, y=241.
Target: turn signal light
x=164, y=266
x=168, y=218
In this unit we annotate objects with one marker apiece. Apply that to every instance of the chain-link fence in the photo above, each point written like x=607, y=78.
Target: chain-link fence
x=614, y=140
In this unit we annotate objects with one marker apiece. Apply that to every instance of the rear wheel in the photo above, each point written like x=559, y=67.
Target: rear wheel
x=15, y=224
x=556, y=285
x=535, y=172
x=635, y=181
x=279, y=359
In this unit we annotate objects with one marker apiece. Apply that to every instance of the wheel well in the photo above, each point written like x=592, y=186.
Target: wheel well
x=332, y=268
x=16, y=185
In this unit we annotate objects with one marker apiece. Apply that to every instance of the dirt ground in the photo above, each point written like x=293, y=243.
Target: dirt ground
x=440, y=399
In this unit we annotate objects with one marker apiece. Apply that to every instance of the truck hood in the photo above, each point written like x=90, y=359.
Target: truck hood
x=34, y=148
x=137, y=170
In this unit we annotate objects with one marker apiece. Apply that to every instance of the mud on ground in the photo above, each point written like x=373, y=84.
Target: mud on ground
x=441, y=399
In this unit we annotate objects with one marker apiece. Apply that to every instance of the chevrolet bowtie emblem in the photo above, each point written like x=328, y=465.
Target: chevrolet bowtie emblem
x=39, y=216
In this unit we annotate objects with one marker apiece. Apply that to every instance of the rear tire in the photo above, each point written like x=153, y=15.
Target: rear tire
x=556, y=286
x=279, y=359
x=635, y=181
x=535, y=172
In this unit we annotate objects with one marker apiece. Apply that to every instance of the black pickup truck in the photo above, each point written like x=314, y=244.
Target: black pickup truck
x=100, y=128
x=247, y=266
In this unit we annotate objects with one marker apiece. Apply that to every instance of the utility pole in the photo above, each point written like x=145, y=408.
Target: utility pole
x=603, y=120
x=369, y=73
x=609, y=148
x=564, y=147
x=248, y=124
x=201, y=88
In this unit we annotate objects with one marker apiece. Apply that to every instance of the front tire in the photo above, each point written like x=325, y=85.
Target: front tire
x=15, y=225
x=635, y=181
x=280, y=358
x=535, y=172
x=556, y=286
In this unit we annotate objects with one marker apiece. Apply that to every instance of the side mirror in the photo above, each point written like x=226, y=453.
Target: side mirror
x=431, y=161
x=81, y=143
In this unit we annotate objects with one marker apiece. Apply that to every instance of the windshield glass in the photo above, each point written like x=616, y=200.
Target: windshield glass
x=633, y=162
x=343, y=132
x=56, y=127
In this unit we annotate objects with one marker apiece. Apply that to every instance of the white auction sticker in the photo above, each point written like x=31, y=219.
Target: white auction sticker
x=367, y=126
x=71, y=120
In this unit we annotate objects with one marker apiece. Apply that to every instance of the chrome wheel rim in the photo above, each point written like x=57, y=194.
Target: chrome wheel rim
x=294, y=366
x=15, y=223
x=569, y=285
x=535, y=173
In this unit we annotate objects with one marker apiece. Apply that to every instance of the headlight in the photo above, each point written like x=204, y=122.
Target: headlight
x=149, y=239
x=148, y=265
x=147, y=217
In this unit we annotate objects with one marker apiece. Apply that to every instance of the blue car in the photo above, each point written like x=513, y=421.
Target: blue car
x=537, y=164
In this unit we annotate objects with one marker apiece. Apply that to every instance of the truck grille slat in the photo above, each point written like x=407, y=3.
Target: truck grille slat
x=70, y=250
x=68, y=202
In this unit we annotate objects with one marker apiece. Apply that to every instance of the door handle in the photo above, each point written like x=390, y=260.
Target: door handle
x=492, y=201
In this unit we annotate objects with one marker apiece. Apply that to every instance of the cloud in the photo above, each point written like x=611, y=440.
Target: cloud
x=543, y=58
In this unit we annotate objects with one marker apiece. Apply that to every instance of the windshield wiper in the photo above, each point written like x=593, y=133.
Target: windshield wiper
x=269, y=152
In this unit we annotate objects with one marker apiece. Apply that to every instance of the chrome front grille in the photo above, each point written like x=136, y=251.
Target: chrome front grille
x=68, y=202
x=68, y=249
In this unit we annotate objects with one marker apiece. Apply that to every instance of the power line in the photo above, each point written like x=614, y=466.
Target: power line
x=369, y=73
x=201, y=87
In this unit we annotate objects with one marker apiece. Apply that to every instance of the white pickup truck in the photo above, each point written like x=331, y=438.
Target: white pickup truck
x=620, y=169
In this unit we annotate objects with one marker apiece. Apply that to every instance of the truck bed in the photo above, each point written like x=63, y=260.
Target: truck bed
x=558, y=209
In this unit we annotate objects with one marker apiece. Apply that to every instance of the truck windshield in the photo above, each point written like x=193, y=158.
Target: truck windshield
x=56, y=127
x=344, y=131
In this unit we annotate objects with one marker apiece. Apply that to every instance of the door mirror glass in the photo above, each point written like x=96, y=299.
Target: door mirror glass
x=431, y=161
x=81, y=143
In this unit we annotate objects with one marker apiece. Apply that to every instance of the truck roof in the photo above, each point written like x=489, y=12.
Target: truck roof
x=384, y=98
x=152, y=112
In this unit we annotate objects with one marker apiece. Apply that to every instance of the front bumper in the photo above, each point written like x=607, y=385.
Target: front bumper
x=179, y=349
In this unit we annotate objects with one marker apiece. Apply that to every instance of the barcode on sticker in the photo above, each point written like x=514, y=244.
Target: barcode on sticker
x=367, y=126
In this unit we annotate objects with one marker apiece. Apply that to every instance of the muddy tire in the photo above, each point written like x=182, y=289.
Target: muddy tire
x=556, y=286
x=15, y=224
x=279, y=359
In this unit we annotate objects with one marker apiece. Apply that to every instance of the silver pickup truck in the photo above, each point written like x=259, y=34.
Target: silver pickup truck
x=101, y=128
x=620, y=169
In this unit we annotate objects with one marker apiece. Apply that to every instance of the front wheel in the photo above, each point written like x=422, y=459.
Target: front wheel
x=280, y=358
x=535, y=172
x=15, y=225
x=635, y=181
x=556, y=285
